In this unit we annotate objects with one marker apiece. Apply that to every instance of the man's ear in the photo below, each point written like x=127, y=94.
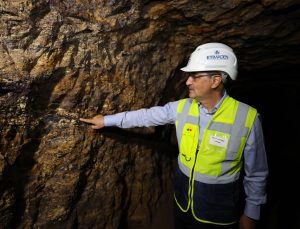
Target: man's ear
x=217, y=80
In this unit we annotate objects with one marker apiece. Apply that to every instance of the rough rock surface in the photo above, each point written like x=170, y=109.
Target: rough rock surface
x=61, y=60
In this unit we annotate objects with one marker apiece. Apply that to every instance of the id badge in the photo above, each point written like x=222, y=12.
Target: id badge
x=218, y=141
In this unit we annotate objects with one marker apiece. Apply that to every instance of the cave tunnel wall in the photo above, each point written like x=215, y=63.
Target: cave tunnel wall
x=61, y=60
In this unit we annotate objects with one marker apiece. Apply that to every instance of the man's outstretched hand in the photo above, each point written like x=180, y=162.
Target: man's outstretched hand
x=97, y=122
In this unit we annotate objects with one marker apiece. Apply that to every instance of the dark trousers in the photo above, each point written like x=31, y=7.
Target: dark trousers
x=186, y=220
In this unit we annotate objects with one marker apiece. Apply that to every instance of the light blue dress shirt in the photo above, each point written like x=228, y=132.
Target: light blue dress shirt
x=255, y=159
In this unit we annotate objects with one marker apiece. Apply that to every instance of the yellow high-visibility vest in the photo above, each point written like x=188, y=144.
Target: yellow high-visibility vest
x=218, y=158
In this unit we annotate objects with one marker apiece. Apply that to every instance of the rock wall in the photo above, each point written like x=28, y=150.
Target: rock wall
x=61, y=60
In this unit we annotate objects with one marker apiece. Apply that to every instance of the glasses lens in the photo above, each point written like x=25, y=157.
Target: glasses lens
x=195, y=75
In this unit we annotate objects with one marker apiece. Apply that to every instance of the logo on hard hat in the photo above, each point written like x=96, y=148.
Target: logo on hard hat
x=217, y=56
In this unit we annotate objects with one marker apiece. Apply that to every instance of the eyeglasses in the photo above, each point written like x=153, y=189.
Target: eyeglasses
x=195, y=75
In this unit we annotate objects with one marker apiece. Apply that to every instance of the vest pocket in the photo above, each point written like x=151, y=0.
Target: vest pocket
x=189, y=129
x=188, y=144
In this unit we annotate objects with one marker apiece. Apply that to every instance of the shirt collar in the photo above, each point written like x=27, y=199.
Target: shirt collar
x=216, y=106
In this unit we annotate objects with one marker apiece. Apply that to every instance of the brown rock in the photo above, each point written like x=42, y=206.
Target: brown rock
x=61, y=60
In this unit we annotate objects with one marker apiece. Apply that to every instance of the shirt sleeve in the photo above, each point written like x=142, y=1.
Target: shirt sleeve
x=256, y=171
x=154, y=116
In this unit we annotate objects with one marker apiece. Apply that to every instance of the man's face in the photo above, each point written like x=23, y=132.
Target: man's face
x=199, y=85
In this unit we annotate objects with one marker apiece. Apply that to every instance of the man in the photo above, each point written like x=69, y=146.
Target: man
x=217, y=137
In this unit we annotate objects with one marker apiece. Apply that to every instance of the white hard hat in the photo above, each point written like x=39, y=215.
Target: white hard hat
x=213, y=57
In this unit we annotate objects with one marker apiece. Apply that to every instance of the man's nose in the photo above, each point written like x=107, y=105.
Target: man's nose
x=189, y=81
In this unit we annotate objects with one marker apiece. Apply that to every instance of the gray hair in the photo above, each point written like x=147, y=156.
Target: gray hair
x=223, y=75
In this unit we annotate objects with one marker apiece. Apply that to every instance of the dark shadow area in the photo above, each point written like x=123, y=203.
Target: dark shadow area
x=151, y=140
x=276, y=94
x=16, y=176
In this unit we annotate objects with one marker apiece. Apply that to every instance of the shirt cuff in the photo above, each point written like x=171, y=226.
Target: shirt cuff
x=252, y=211
x=109, y=120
